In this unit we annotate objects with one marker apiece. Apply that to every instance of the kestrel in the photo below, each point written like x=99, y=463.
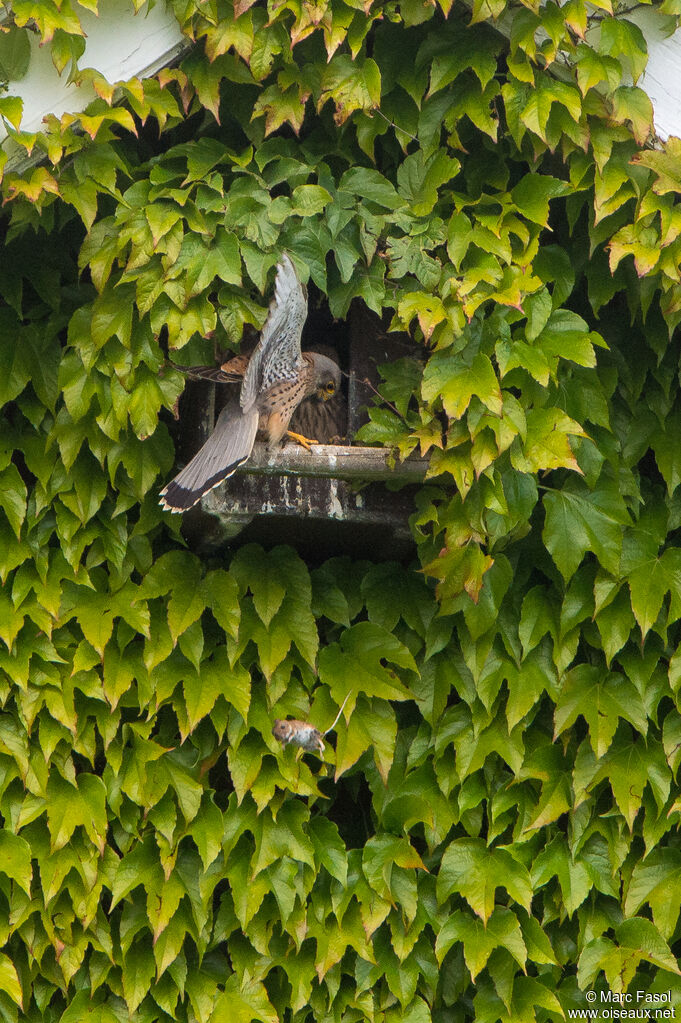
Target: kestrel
x=319, y=415
x=277, y=378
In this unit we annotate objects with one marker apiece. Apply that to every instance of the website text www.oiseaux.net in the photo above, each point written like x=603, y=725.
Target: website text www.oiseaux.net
x=606, y=1010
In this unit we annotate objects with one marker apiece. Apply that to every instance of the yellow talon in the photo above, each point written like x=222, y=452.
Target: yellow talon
x=306, y=442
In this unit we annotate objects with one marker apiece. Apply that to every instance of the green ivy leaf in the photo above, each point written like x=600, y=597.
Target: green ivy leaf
x=357, y=663
x=475, y=871
x=602, y=700
x=650, y=579
x=657, y=882
x=15, y=859
x=9, y=980
x=13, y=495
x=624, y=40
x=419, y=179
x=15, y=54
x=573, y=875
x=444, y=377
x=533, y=193
x=479, y=938
x=578, y=521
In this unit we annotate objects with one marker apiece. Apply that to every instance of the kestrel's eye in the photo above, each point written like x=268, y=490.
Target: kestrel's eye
x=330, y=387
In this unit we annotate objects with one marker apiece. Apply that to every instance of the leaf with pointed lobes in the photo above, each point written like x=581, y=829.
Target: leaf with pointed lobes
x=448, y=378
x=459, y=570
x=474, y=870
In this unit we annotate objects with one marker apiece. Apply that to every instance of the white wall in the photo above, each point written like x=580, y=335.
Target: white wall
x=119, y=44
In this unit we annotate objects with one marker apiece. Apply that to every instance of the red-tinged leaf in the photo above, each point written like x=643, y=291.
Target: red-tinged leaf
x=635, y=240
x=92, y=123
x=351, y=85
x=427, y=309
x=460, y=570
x=281, y=107
x=236, y=34
x=40, y=181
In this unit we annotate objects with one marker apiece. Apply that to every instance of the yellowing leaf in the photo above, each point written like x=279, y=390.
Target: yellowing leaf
x=546, y=445
x=664, y=164
x=9, y=980
x=460, y=569
x=243, y=1003
x=15, y=859
x=428, y=309
x=352, y=85
x=281, y=106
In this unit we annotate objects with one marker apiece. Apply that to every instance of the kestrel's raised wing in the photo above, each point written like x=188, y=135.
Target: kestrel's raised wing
x=278, y=356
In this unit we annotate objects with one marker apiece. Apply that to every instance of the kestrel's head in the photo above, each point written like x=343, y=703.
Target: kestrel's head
x=327, y=376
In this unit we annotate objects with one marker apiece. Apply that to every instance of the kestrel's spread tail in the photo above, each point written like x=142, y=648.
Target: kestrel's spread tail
x=229, y=446
x=277, y=378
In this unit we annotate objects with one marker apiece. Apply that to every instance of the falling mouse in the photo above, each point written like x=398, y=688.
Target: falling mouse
x=302, y=733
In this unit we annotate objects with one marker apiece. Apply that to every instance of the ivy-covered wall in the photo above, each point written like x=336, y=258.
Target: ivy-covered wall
x=496, y=830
